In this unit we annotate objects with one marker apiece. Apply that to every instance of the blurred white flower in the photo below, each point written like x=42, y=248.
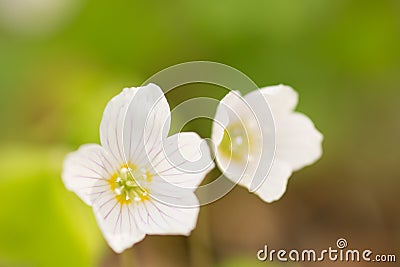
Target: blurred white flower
x=251, y=145
x=36, y=17
x=139, y=181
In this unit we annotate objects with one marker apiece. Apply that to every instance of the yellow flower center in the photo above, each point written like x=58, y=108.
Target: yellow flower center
x=125, y=183
x=235, y=142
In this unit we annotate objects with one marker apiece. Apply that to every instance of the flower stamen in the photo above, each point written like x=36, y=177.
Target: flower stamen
x=125, y=184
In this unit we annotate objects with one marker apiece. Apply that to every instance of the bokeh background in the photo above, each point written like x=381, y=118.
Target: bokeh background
x=62, y=60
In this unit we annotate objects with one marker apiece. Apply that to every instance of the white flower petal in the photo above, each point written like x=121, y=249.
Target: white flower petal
x=165, y=192
x=280, y=98
x=146, y=124
x=85, y=168
x=231, y=109
x=236, y=171
x=235, y=107
x=258, y=134
x=117, y=222
x=231, y=101
x=111, y=126
x=274, y=186
x=164, y=217
x=298, y=142
x=265, y=118
x=184, y=160
x=135, y=121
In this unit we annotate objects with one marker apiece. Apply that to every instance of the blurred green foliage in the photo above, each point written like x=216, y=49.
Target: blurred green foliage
x=41, y=223
x=342, y=56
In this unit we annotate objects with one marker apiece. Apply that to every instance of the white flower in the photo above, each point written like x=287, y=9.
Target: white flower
x=139, y=181
x=260, y=151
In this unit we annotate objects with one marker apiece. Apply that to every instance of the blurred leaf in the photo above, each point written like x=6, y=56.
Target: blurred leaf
x=41, y=224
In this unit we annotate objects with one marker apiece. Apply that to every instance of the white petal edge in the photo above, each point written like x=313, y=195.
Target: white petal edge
x=280, y=98
x=274, y=186
x=298, y=142
x=117, y=222
x=184, y=161
x=90, y=165
x=229, y=110
x=111, y=126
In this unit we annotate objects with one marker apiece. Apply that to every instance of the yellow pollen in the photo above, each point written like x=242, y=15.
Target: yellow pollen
x=126, y=183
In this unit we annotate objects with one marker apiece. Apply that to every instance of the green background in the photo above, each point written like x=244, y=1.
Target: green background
x=59, y=66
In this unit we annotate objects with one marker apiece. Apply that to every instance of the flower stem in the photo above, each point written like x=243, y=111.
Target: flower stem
x=200, y=247
x=200, y=244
